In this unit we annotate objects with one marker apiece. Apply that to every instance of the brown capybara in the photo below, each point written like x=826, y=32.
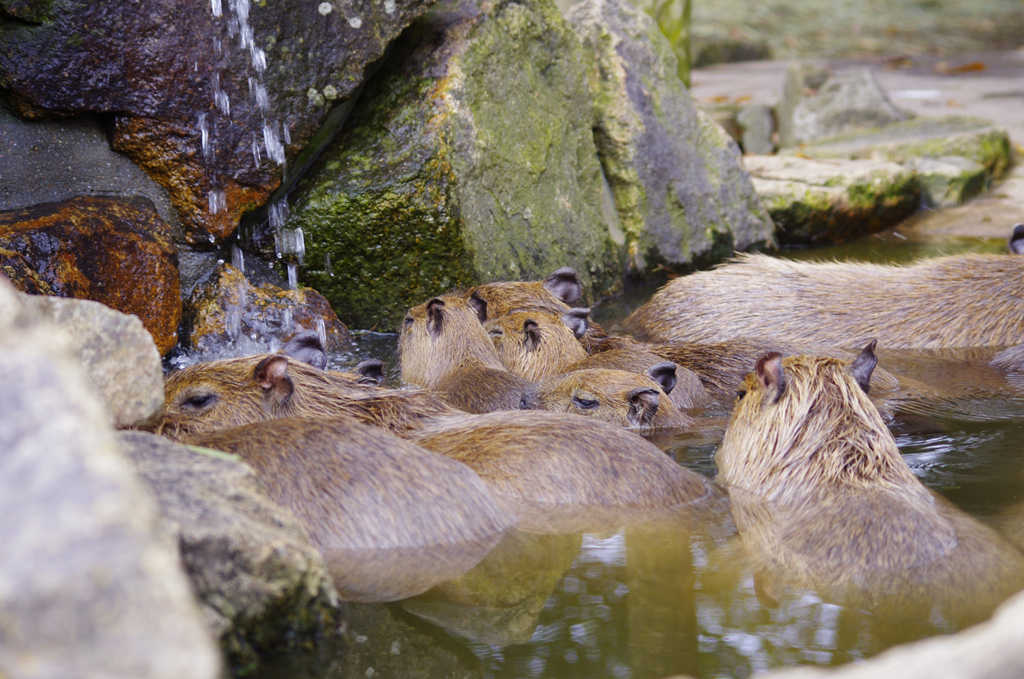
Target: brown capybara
x=970, y=300
x=538, y=344
x=561, y=472
x=237, y=391
x=622, y=398
x=444, y=348
x=688, y=393
x=390, y=518
x=823, y=499
x=554, y=294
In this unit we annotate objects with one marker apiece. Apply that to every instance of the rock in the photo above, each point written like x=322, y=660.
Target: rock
x=56, y=160
x=213, y=104
x=972, y=138
x=230, y=313
x=262, y=586
x=840, y=103
x=679, y=186
x=109, y=250
x=947, y=181
x=117, y=354
x=469, y=158
x=92, y=584
x=989, y=650
x=817, y=202
x=758, y=124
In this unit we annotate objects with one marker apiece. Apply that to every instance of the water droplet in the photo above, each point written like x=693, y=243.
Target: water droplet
x=355, y=22
x=293, y=276
x=216, y=7
x=217, y=201
x=321, y=331
x=237, y=258
x=389, y=6
x=325, y=8
x=327, y=265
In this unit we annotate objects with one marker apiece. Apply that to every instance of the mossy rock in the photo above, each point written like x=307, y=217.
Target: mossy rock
x=469, y=159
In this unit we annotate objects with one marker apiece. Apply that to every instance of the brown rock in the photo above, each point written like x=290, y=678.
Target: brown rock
x=114, y=251
x=229, y=307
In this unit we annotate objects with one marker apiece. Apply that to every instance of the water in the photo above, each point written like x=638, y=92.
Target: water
x=684, y=596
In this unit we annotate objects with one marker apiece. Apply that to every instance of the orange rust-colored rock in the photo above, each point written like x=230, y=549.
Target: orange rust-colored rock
x=111, y=250
x=228, y=307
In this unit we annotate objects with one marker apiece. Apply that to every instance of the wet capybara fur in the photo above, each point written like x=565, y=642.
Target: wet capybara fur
x=538, y=344
x=554, y=460
x=390, y=518
x=444, y=348
x=971, y=300
x=237, y=391
x=622, y=398
x=689, y=392
x=822, y=498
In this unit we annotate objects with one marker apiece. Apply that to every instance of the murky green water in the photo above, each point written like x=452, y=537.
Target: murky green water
x=681, y=596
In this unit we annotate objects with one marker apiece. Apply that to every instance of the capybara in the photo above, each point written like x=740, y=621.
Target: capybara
x=538, y=344
x=390, y=518
x=970, y=300
x=688, y=393
x=444, y=347
x=823, y=499
x=306, y=347
x=622, y=398
x=1016, y=242
x=554, y=294
x=236, y=391
x=562, y=473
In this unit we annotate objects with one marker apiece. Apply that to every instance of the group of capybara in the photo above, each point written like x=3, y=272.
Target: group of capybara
x=519, y=412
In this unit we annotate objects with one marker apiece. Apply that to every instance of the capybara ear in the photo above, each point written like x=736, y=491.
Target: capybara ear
x=371, y=371
x=577, y=320
x=770, y=374
x=531, y=335
x=564, y=284
x=480, y=305
x=864, y=365
x=272, y=375
x=664, y=374
x=435, y=316
x=643, y=405
x=1017, y=240
x=766, y=588
x=306, y=347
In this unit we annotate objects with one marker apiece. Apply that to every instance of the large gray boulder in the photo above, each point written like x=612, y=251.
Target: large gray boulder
x=262, y=586
x=117, y=354
x=816, y=202
x=679, y=185
x=468, y=159
x=90, y=583
x=818, y=104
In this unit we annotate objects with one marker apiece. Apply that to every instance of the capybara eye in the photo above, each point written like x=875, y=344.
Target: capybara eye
x=496, y=332
x=585, y=403
x=740, y=394
x=199, y=401
x=408, y=320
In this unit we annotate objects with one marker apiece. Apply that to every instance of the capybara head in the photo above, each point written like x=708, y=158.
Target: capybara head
x=443, y=335
x=1016, y=242
x=554, y=294
x=237, y=391
x=689, y=391
x=624, y=398
x=307, y=347
x=537, y=344
x=803, y=423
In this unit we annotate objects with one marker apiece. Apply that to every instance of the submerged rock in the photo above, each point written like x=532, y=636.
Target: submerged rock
x=679, y=186
x=263, y=587
x=469, y=159
x=817, y=104
x=212, y=99
x=115, y=351
x=92, y=584
x=973, y=138
x=817, y=202
x=109, y=250
x=228, y=311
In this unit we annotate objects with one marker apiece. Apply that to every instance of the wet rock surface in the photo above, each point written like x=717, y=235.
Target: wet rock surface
x=949, y=180
x=680, y=190
x=116, y=353
x=813, y=202
x=114, y=251
x=213, y=104
x=262, y=586
x=228, y=310
x=470, y=158
x=92, y=583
